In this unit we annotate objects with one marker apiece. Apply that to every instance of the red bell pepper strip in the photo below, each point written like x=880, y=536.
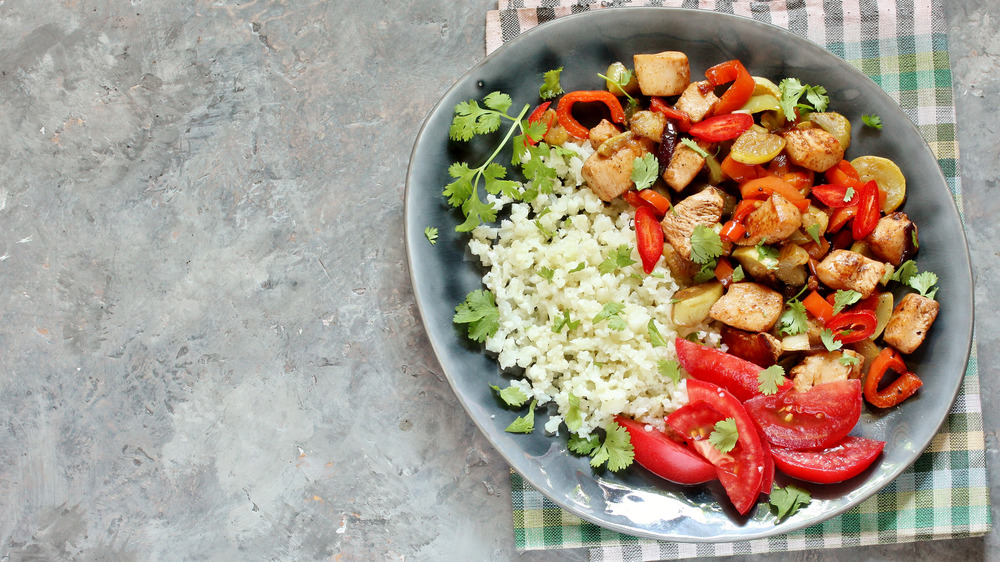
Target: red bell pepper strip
x=869, y=211
x=844, y=174
x=536, y=116
x=734, y=228
x=762, y=188
x=740, y=172
x=834, y=195
x=818, y=307
x=661, y=203
x=799, y=180
x=648, y=237
x=900, y=389
x=852, y=326
x=632, y=198
x=724, y=272
x=739, y=92
x=840, y=217
x=722, y=127
x=572, y=126
x=682, y=119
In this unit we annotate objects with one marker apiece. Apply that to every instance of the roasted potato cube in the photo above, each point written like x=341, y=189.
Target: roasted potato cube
x=662, y=74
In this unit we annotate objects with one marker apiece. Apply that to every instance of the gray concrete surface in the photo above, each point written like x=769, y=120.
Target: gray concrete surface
x=209, y=347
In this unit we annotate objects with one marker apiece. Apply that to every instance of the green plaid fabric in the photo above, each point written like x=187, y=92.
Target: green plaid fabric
x=902, y=46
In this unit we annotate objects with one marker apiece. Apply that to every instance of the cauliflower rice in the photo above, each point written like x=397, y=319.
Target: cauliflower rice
x=611, y=372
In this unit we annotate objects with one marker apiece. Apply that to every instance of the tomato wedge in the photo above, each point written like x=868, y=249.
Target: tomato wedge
x=768, y=481
x=565, y=107
x=696, y=422
x=843, y=460
x=816, y=418
x=736, y=375
x=722, y=127
x=744, y=477
x=664, y=457
x=648, y=237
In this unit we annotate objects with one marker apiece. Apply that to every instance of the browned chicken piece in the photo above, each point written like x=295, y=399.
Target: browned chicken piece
x=610, y=176
x=662, y=74
x=772, y=222
x=813, y=149
x=894, y=238
x=748, y=306
x=684, y=166
x=698, y=100
x=648, y=124
x=704, y=207
x=847, y=270
x=825, y=367
x=602, y=132
x=910, y=321
x=682, y=269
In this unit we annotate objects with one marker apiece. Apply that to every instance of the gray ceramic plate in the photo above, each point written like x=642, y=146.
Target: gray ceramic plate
x=634, y=501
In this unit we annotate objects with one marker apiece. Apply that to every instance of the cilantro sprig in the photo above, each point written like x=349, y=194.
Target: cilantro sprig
x=550, y=87
x=618, y=258
x=431, y=234
x=645, y=170
x=786, y=501
x=612, y=313
x=706, y=245
x=794, y=320
x=616, y=448
x=924, y=283
x=792, y=91
x=843, y=299
x=725, y=435
x=873, y=121
x=480, y=312
x=769, y=379
x=670, y=369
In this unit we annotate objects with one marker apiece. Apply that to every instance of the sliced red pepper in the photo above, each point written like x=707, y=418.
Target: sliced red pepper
x=722, y=127
x=737, y=95
x=799, y=180
x=661, y=203
x=648, y=237
x=632, y=198
x=834, y=195
x=732, y=231
x=724, y=272
x=762, y=188
x=682, y=119
x=572, y=126
x=840, y=217
x=734, y=228
x=844, y=174
x=536, y=116
x=900, y=389
x=740, y=172
x=852, y=326
x=818, y=307
x=869, y=211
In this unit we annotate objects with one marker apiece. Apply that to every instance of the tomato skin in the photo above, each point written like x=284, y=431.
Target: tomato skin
x=665, y=457
x=841, y=461
x=813, y=419
x=649, y=238
x=768, y=481
x=736, y=375
x=721, y=127
x=744, y=477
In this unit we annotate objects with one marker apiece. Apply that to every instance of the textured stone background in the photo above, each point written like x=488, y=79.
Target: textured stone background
x=209, y=347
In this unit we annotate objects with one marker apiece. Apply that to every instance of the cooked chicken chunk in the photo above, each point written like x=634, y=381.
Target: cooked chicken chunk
x=910, y=321
x=813, y=149
x=704, y=207
x=894, y=238
x=772, y=222
x=684, y=166
x=662, y=74
x=682, y=269
x=843, y=269
x=698, y=100
x=648, y=124
x=602, y=132
x=825, y=367
x=610, y=176
x=748, y=306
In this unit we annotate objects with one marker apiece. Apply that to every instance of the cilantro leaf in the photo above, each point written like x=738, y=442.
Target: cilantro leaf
x=725, y=435
x=573, y=418
x=768, y=255
x=848, y=360
x=794, y=320
x=471, y=120
x=431, y=234
x=584, y=446
x=612, y=313
x=511, y=396
x=831, y=344
x=616, y=450
x=550, y=87
x=564, y=321
x=848, y=194
x=645, y=170
x=873, y=121
x=655, y=337
x=903, y=273
x=792, y=91
x=546, y=273
x=493, y=175
x=924, y=283
x=769, y=379
x=579, y=267
x=738, y=274
x=497, y=101
x=694, y=146
x=813, y=231
x=788, y=500
x=669, y=368
x=480, y=312
x=621, y=257
x=706, y=272
x=706, y=245
x=843, y=299
x=525, y=423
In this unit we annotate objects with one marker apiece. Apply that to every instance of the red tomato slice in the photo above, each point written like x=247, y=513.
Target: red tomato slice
x=665, y=457
x=648, y=237
x=736, y=375
x=816, y=418
x=836, y=463
x=743, y=478
x=768, y=482
x=721, y=127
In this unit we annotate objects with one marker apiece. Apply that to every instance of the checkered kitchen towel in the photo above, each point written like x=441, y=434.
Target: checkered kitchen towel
x=902, y=46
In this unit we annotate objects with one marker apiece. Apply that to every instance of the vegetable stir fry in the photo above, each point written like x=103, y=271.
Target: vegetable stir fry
x=742, y=194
